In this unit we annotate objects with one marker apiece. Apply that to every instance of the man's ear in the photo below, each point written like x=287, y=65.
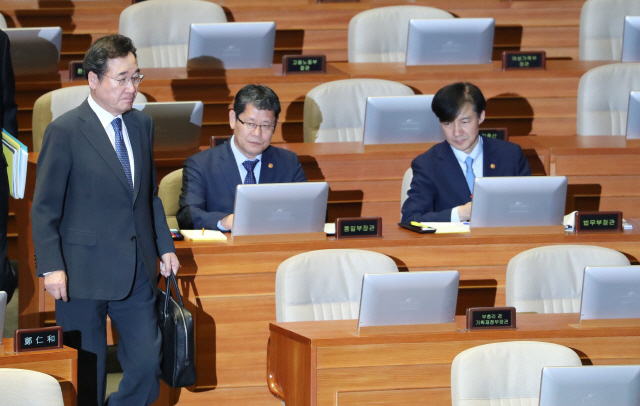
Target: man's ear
x=93, y=80
x=481, y=117
x=232, y=119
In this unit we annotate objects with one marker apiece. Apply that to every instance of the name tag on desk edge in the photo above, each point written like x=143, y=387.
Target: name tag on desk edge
x=496, y=133
x=518, y=60
x=299, y=64
x=491, y=318
x=37, y=339
x=358, y=227
x=599, y=222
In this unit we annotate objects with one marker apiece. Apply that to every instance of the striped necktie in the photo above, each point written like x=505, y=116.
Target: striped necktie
x=121, y=150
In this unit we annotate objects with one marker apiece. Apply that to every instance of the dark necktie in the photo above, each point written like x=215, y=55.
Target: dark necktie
x=469, y=173
x=121, y=150
x=250, y=179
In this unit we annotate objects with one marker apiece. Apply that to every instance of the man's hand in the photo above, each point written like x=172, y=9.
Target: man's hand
x=464, y=212
x=227, y=222
x=169, y=263
x=55, y=283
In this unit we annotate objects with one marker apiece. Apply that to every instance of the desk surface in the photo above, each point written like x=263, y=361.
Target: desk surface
x=327, y=363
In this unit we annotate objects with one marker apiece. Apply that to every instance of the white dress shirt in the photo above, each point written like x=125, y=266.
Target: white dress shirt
x=478, y=157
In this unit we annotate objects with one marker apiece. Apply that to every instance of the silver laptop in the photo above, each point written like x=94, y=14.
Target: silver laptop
x=402, y=298
x=450, y=41
x=631, y=39
x=611, y=292
x=602, y=385
x=280, y=208
x=176, y=125
x=401, y=120
x=3, y=311
x=514, y=201
x=633, y=115
x=231, y=46
x=35, y=51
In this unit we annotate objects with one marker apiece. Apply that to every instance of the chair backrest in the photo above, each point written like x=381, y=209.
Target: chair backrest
x=325, y=284
x=601, y=26
x=55, y=103
x=21, y=387
x=3, y=23
x=380, y=34
x=160, y=29
x=406, y=185
x=506, y=373
x=334, y=111
x=549, y=279
x=169, y=192
x=603, y=98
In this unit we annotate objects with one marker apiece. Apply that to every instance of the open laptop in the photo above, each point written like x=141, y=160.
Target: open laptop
x=453, y=41
x=176, y=125
x=631, y=39
x=611, y=292
x=280, y=208
x=401, y=120
x=514, y=201
x=35, y=51
x=590, y=385
x=221, y=46
x=633, y=115
x=3, y=311
x=402, y=298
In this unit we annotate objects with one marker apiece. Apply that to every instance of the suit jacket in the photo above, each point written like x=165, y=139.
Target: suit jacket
x=85, y=219
x=210, y=178
x=438, y=184
x=8, y=107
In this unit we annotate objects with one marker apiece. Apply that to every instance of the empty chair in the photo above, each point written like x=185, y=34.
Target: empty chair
x=325, y=284
x=334, y=111
x=603, y=98
x=505, y=373
x=549, y=279
x=21, y=387
x=169, y=192
x=601, y=26
x=55, y=103
x=406, y=185
x=160, y=29
x=380, y=34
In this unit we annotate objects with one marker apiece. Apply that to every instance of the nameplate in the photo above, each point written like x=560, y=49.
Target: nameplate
x=515, y=60
x=491, y=318
x=76, y=70
x=358, y=227
x=218, y=140
x=496, y=133
x=299, y=64
x=37, y=339
x=599, y=222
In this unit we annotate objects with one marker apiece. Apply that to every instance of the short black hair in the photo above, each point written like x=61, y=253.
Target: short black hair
x=261, y=97
x=97, y=58
x=449, y=100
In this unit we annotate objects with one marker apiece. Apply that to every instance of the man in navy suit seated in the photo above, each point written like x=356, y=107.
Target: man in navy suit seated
x=442, y=184
x=210, y=177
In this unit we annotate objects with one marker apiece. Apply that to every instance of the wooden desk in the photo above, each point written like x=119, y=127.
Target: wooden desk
x=61, y=364
x=326, y=364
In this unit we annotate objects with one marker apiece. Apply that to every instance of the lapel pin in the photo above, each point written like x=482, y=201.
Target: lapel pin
x=270, y=166
x=493, y=166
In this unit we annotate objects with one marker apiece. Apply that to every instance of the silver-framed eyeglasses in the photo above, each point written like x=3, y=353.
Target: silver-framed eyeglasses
x=135, y=80
x=264, y=127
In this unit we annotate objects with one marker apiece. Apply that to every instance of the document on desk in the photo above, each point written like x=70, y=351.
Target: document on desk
x=448, y=228
x=203, y=235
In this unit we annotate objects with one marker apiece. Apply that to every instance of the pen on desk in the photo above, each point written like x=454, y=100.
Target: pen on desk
x=416, y=224
x=202, y=230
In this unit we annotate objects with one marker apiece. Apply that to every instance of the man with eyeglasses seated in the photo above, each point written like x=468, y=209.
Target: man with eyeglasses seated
x=210, y=177
x=99, y=228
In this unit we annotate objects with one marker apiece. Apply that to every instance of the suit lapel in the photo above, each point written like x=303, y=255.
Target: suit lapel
x=136, y=148
x=451, y=167
x=267, y=170
x=229, y=167
x=94, y=132
x=489, y=157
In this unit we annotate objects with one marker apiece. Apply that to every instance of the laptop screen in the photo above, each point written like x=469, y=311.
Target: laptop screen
x=610, y=292
x=176, y=125
x=3, y=311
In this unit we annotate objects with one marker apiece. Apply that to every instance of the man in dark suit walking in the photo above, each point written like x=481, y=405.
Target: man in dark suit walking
x=210, y=177
x=442, y=184
x=8, y=110
x=99, y=227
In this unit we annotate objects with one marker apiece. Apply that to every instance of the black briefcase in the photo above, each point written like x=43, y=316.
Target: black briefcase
x=176, y=327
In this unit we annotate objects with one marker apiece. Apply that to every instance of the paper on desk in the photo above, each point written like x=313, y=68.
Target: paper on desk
x=446, y=228
x=209, y=235
x=330, y=228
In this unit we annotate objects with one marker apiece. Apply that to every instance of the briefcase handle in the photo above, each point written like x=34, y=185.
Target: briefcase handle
x=173, y=281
